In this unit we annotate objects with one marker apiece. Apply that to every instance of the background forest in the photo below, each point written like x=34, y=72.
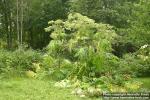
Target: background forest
x=90, y=46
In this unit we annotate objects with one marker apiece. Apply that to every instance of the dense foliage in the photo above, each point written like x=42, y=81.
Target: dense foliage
x=139, y=62
x=129, y=17
x=18, y=61
x=81, y=41
x=81, y=53
x=99, y=47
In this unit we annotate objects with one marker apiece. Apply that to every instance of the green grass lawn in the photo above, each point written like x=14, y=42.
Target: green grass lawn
x=30, y=89
x=145, y=81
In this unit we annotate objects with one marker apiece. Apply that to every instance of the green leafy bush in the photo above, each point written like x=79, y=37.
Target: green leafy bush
x=139, y=62
x=19, y=60
x=84, y=43
x=81, y=54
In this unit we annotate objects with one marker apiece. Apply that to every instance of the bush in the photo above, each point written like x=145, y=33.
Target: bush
x=139, y=62
x=81, y=54
x=19, y=60
x=86, y=47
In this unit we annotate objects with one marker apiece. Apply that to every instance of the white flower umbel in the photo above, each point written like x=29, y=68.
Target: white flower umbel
x=144, y=46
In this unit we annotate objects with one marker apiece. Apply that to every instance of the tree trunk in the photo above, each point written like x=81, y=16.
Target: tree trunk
x=21, y=27
x=18, y=36
x=6, y=12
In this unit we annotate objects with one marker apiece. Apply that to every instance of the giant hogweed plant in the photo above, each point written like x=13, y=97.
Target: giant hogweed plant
x=80, y=53
x=85, y=44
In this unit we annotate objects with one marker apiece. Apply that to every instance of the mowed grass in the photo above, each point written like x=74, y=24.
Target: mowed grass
x=145, y=81
x=31, y=89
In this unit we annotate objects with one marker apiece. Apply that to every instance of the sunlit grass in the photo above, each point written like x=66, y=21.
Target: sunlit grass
x=145, y=81
x=30, y=89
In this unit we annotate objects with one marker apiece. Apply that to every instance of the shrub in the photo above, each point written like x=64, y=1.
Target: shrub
x=80, y=53
x=86, y=45
x=139, y=62
x=19, y=60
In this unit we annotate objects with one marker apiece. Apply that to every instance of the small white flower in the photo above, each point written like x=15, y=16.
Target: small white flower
x=91, y=90
x=79, y=91
x=144, y=46
x=63, y=84
x=46, y=55
x=57, y=84
x=82, y=96
x=145, y=58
